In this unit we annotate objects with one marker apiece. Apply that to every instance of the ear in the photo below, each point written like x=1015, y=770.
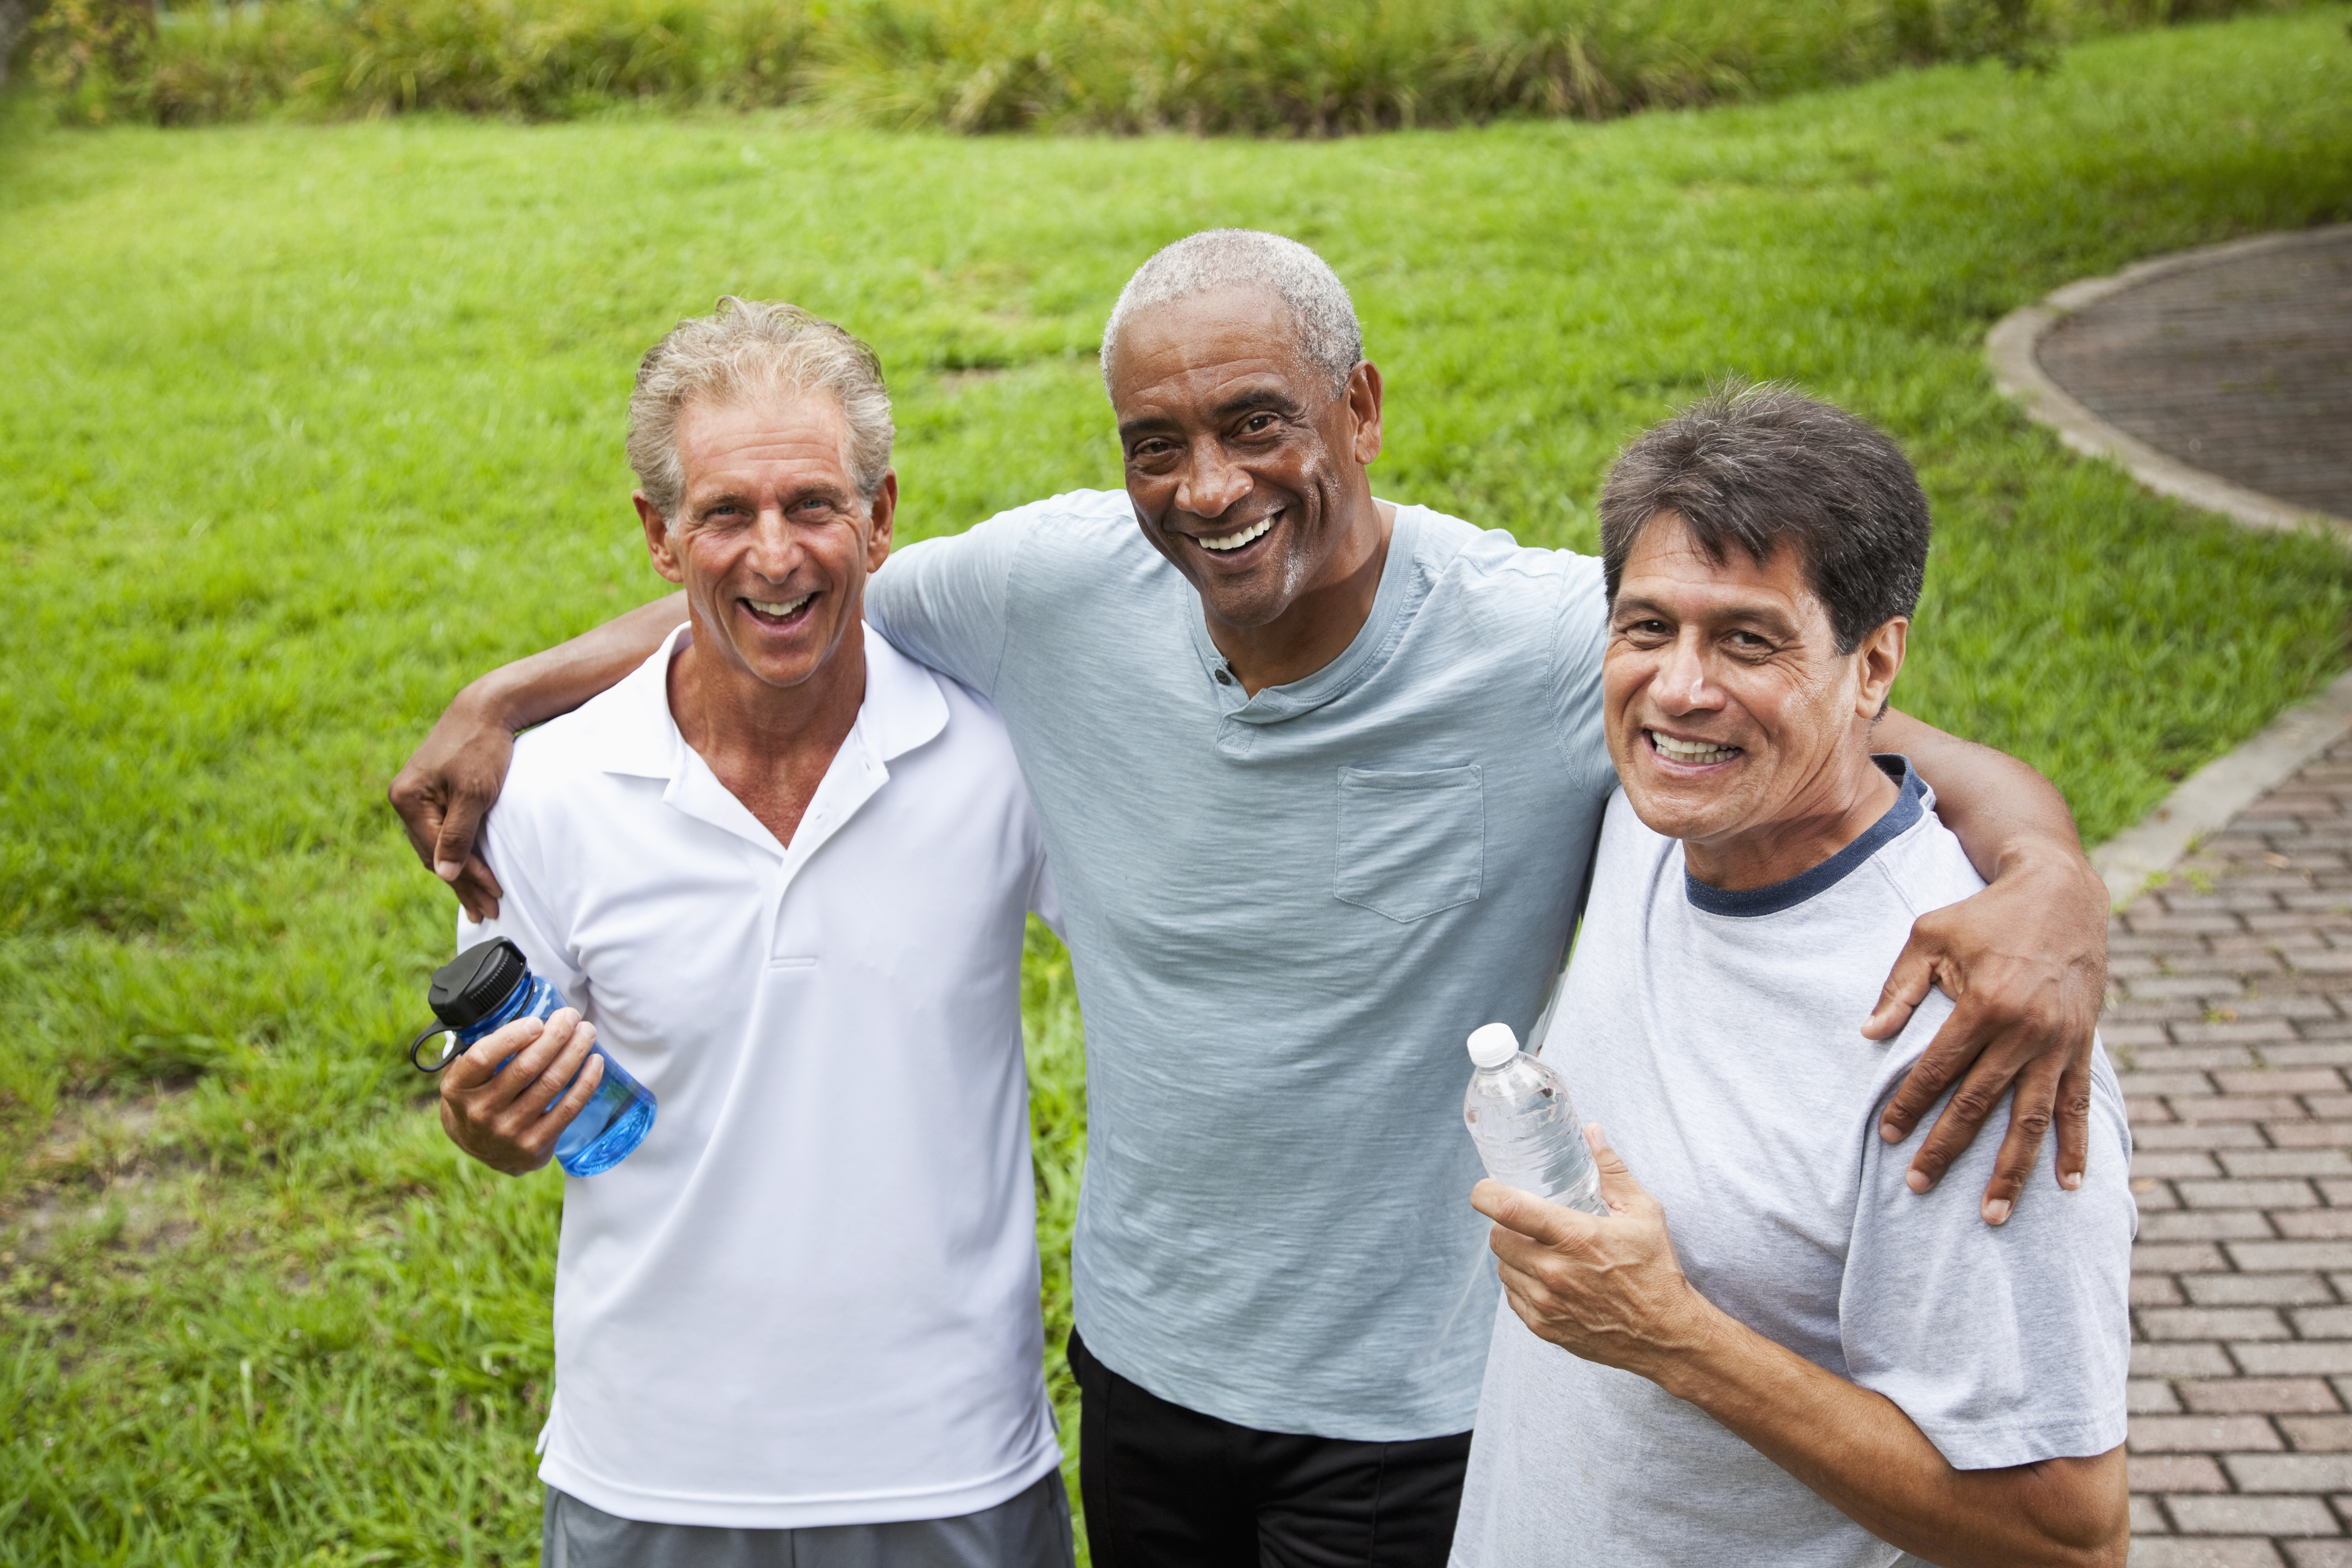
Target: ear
x=1364, y=404
x=1878, y=660
x=885, y=512
x=658, y=544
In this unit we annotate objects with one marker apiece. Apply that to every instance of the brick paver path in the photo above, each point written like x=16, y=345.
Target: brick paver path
x=2242, y=366
x=2231, y=1022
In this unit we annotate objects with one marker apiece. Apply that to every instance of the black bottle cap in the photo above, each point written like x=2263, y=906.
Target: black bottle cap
x=472, y=986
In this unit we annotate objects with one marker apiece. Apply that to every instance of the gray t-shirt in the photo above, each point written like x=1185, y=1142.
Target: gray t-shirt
x=1284, y=914
x=1713, y=1034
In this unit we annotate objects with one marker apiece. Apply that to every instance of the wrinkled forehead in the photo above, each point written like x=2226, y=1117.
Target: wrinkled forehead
x=1669, y=567
x=1217, y=332
x=732, y=429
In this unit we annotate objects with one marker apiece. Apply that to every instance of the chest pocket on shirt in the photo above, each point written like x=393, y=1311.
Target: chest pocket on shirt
x=1411, y=843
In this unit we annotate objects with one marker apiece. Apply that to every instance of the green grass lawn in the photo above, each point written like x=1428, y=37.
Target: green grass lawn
x=301, y=426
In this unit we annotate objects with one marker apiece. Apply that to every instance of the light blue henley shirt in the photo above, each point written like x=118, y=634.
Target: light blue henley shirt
x=1284, y=914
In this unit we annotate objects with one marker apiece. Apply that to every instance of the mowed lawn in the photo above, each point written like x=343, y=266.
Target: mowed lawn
x=301, y=426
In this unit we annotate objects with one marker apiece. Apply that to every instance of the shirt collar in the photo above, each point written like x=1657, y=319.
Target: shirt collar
x=1391, y=601
x=637, y=735
x=1912, y=799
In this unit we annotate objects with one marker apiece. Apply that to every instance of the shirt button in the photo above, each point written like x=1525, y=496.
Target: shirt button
x=1224, y=677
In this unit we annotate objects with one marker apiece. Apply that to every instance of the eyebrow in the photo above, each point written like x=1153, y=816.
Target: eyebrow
x=697, y=506
x=1770, y=620
x=1241, y=402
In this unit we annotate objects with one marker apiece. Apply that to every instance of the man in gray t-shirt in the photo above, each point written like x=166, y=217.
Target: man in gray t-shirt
x=1771, y=1350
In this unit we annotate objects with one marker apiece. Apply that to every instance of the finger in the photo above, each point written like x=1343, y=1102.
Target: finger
x=1993, y=1062
x=2030, y=1109
x=565, y=1112
x=471, y=1068
x=1548, y=1224
x=1956, y=1044
x=524, y=1067
x=2075, y=1121
x=1619, y=1190
x=479, y=890
x=418, y=810
x=453, y=846
x=567, y=1066
x=1907, y=986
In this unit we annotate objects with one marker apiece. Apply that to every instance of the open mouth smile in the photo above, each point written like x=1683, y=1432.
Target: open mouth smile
x=778, y=612
x=1240, y=539
x=1690, y=753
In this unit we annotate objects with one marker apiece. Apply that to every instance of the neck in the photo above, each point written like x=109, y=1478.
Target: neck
x=744, y=727
x=1321, y=621
x=1851, y=794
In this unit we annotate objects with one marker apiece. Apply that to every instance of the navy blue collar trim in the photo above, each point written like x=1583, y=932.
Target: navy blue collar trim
x=1771, y=899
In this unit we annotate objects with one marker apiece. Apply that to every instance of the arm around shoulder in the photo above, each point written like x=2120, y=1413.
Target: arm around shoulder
x=451, y=780
x=2025, y=961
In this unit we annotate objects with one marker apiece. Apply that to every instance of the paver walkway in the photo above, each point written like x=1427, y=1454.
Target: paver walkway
x=2240, y=365
x=2231, y=1020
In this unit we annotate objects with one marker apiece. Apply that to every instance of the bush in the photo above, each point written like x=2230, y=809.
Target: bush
x=1310, y=67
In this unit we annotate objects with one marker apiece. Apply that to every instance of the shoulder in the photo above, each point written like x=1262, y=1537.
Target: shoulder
x=929, y=710
x=1924, y=867
x=1087, y=521
x=558, y=762
x=1448, y=547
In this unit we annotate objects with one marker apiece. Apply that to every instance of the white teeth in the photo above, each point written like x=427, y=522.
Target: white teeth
x=1691, y=750
x=779, y=611
x=1235, y=541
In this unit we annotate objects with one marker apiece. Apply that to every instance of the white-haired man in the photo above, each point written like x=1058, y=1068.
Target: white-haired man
x=1319, y=775
x=784, y=871
x=1817, y=1368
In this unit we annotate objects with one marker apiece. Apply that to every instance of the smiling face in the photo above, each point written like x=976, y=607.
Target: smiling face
x=1736, y=725
x=1247, y=472
x=773, y=543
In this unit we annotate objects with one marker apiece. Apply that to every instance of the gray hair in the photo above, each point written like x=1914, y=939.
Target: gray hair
x=1329, y=335
x=1764, y=466
x=745, y=348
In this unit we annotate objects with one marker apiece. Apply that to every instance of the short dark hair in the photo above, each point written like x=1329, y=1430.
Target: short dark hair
x=1764, y=466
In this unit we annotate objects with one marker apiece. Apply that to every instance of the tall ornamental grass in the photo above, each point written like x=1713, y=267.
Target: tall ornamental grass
x=1310, y=67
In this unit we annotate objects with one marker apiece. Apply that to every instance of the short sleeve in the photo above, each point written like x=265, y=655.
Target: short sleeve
x=523, y=916
x=2004, y=1344
x=944, y=602
x=1580, y=635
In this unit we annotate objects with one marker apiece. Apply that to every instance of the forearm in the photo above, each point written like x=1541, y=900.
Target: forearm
x=535, y=689
x=2001, y=809
x=1858, y=1450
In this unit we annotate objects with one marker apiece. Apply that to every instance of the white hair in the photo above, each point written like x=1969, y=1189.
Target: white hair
x=743, y=349
x=1329, y=335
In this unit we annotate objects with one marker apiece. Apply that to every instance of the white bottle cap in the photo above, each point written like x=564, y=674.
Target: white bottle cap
x=1493, y=1044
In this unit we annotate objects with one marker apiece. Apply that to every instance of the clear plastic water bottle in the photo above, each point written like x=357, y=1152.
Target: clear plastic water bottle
x=491, y=985
x=1525, y=1127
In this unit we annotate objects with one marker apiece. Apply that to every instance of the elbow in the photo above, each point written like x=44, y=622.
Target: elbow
x=2103, y=1543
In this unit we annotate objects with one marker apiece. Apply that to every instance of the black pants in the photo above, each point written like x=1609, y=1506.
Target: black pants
x=1166, y=1487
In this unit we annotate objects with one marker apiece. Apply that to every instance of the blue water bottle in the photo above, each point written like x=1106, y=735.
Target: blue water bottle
x=491, y=985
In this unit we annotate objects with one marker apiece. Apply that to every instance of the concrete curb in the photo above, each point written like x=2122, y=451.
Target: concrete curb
x=2210, y=798
x=2218, y=792
x=2009, y=348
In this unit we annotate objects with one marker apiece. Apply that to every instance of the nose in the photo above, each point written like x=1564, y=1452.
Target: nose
x=774, y=550
x=1681, y=685
x=1211, y=483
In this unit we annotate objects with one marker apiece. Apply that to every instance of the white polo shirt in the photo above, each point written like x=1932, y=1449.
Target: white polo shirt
x=809, y=1296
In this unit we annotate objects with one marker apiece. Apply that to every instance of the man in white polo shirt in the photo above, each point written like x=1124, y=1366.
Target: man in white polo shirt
x=783, y=871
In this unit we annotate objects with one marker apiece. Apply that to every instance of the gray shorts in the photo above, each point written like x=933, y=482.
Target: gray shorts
x=1031, y=1530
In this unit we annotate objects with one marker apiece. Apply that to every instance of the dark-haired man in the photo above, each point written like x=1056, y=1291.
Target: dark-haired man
x=1818, y=1368
x=1318, y=775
